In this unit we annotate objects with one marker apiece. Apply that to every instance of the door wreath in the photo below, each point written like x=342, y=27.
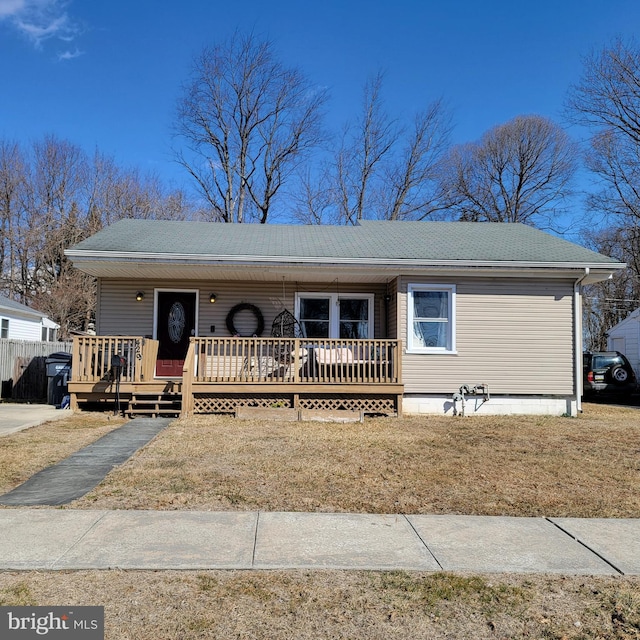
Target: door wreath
x=245, y=306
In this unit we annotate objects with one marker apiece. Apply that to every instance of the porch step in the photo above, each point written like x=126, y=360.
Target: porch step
x=154, y=404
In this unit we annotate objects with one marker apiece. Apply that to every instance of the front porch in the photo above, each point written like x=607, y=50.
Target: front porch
x=221, y=375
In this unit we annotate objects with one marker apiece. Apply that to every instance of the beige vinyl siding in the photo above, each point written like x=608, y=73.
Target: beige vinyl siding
x=119, y=313
x=515, y=335
x=393, y=312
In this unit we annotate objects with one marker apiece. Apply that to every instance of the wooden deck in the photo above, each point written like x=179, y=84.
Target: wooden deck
x=222, y=374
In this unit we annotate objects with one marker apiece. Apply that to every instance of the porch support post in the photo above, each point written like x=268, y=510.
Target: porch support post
x=188, y=373
x=75, y=369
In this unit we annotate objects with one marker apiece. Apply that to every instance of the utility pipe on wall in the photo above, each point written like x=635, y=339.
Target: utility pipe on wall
x=577, y=333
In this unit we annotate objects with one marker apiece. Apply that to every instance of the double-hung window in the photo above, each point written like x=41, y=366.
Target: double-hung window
x=431, y=318
x=48, y=334
x=4, y=328
x=347, y=316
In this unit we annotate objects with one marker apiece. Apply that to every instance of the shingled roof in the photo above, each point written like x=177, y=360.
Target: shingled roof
x=8, y=305
x=371, y=242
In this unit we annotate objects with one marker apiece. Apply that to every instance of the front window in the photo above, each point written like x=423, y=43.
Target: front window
x=431, y=318
x=354, y=318
x=4, y=328
x=314, y=317
x=348, y=316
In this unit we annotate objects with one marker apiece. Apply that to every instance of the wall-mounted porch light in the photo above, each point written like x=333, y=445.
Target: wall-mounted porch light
x=140, y=296
x=212, y=298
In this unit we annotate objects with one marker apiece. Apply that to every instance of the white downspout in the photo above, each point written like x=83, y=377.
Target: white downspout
x=577, y=339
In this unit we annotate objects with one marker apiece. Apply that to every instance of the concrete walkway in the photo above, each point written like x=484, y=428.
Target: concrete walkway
x=54, y=539
x=76, y=475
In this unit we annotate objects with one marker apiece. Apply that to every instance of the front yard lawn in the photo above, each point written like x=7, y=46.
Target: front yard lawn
x=513, y=465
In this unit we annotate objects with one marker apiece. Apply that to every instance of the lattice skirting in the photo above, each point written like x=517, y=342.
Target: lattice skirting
x=368, y=404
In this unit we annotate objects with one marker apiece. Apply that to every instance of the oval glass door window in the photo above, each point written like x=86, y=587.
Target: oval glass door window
x=176, y=321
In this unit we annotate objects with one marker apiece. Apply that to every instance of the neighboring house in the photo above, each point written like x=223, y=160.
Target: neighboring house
x=393, y=316
x=19, y=322
x=625, y=337
x=27, y=337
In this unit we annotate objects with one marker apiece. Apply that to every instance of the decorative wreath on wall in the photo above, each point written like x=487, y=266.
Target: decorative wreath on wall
x=245, y=306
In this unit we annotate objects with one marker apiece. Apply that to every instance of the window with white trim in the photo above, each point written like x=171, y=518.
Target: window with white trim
x=4, y=328
x=348, y=316
x=431, y=318
x=48, y=334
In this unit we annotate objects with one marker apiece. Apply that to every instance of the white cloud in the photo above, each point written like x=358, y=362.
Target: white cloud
x=39, y=20
x=11, y=7
x=70, y=55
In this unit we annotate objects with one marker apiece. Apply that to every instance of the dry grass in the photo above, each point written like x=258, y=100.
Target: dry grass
x=519, y=466
x=26, y=452
x=324, y=604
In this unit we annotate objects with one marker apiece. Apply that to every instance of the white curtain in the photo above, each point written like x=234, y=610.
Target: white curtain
x=430, y=313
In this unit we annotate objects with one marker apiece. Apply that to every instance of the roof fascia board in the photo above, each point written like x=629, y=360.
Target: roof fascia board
x=21, y=314
x=79, y=256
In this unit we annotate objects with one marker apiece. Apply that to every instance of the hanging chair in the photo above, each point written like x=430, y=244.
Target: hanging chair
x=285, y=325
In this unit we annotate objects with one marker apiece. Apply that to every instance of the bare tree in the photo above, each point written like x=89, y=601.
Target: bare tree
x=381, y=168
x=314, y=198
x=12, y=185
x=52, y=195
x=607, y=101
x=412, y=185
x=518, y=172
x=608, y=94
x=114, y=193
x=248, y=122
x=362, y=152
x=607, y=303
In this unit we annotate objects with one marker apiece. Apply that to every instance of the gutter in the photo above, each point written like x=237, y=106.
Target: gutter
x=577, y=336
x=80, y=255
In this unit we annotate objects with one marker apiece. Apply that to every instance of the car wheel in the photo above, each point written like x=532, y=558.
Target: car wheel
x=619, y=375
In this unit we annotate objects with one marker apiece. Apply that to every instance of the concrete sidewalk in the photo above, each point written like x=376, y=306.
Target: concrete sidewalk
x=46, y=539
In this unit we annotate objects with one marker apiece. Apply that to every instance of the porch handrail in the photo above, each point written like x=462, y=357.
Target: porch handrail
x=295, y=360
x=94, y=358
x=238, y=360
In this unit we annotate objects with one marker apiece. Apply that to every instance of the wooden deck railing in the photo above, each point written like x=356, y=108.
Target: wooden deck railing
x=266, y=361
x=293, y=361
x=94, y=357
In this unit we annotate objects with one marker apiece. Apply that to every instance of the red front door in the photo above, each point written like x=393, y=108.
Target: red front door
x=176, y=323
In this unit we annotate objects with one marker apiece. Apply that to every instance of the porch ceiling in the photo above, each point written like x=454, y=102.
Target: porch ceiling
x=309, y=272
x=267, y=273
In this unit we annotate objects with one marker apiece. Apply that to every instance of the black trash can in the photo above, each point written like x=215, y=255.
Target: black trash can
x=58, y=374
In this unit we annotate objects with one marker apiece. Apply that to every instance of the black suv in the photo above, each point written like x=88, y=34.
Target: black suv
x=608, y=373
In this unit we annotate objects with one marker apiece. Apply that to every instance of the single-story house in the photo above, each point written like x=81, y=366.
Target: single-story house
x=625, y=337
x=382, y=317
x=20, y=322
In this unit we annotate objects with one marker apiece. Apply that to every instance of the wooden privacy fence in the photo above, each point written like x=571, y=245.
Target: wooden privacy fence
x=22, y=367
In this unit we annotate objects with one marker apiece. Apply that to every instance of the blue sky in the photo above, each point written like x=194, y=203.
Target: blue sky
x=107, y=74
